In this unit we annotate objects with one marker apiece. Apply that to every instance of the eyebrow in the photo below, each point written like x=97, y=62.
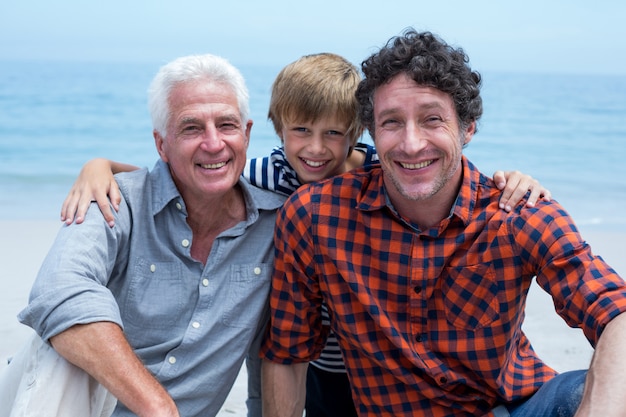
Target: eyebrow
x=186, y=120
x=427, y=106
x=229, y=117
x=226, y=117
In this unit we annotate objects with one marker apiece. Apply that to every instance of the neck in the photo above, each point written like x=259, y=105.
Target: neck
x=210, y=218
x=428, y=211
x=355, y=160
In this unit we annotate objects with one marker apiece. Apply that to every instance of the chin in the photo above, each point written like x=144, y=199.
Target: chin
x=416, y=194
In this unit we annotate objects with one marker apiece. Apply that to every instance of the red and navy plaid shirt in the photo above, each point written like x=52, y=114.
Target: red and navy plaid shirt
x=429, y=322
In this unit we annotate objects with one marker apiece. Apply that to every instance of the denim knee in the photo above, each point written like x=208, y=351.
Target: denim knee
x=569, y=392
x=559, y=397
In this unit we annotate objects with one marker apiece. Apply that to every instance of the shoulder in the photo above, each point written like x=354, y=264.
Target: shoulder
x=133, y=179
x=272, y=173
x=369, y=151
x=260, y=197
x=545, y=215
x=256, y=166
x=134, y=185
x=266, y=164
x=148, y=192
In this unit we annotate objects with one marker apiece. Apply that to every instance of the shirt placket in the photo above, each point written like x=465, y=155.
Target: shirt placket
x=424, y=272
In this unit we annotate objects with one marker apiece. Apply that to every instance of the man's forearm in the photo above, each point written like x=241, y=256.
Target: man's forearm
x=101, y=350
x=605, y=385
x=284, y=389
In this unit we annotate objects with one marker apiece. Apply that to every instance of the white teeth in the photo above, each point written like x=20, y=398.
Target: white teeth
x=416, y=166
x=213, y=166
x=313, y=163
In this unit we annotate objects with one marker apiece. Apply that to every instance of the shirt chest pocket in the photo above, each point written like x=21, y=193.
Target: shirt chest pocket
x=155, y=296
x=470, y=296
x=247, y=295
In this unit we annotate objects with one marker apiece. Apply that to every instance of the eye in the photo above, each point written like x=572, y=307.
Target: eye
x=190, y=129
x=390, y=123
x=299, y=131
x=433, y=120
x=334, y=133
x=228, y=126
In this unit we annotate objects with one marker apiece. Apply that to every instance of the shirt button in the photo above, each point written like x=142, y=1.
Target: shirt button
x=443, y=380
x=185, y=243
x=179, y=206
x=417, y=289
x=152, y=268
x=205, y=282
x=195, y=325
x=257, y=270
x=172, y=360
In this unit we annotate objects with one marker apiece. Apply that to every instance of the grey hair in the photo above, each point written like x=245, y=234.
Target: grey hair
x=188, y=69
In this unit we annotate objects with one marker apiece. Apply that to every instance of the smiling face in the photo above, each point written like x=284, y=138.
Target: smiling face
x=206, y=140
x=316, y=150
x=419, y=142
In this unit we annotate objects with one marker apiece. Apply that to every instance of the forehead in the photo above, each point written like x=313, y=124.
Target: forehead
x=404, y=93
x=320, y=121
x=201, y=92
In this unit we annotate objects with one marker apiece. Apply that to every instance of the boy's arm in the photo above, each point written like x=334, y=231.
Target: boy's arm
x=101, y=350
x=284, y=389
x=94, y=183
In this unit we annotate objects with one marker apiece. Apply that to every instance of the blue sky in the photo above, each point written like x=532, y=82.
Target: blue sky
x=532, y=35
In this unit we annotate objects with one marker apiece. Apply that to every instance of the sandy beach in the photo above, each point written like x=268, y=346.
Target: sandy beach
x=23, y=245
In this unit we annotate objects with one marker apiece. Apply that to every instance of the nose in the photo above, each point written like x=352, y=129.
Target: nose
x=415, y=138
x=211, y=140
x=316, y=144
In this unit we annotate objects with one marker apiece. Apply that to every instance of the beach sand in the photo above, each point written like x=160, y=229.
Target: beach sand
x=23, y=245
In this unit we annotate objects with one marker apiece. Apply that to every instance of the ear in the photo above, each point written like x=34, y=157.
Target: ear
x=469, y=133
x=281, y=136
x=247, y=132
x=159, y=142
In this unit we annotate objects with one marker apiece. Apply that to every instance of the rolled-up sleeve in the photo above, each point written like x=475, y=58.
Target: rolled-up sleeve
x=70, y=287
x=587, y=292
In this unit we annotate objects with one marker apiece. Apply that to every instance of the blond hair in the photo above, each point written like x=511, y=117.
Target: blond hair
x=314, y=87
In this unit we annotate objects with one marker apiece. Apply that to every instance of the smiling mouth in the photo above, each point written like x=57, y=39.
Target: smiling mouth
x=313, y=164
x=213, y=166
x=417, y=166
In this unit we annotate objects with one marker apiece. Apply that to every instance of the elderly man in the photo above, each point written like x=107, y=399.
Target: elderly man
x=424, y=278
x=163, y=308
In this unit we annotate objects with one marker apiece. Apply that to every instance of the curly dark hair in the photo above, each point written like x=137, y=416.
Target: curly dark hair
x=429, y=61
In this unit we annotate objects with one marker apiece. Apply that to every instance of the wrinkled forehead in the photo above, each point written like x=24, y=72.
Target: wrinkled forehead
x=202, y=92
x=402, y=91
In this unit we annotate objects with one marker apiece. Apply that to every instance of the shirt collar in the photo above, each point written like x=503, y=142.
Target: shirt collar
x=468, y=193
x=288, y=177
x=373, y=195
x=163, y=188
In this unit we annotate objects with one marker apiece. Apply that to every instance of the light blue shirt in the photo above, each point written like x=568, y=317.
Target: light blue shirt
x=191, y=325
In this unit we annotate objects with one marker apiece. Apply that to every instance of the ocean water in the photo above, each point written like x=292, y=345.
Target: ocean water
x=568, y=131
